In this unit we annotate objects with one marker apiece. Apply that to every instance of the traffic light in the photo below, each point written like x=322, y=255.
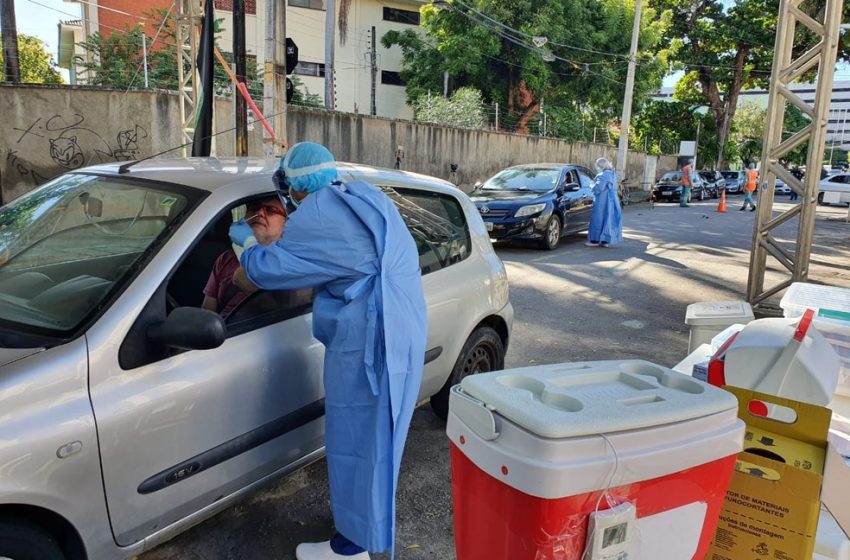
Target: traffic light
x=291, y=61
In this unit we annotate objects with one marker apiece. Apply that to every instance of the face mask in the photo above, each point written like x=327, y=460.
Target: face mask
x=599, y=170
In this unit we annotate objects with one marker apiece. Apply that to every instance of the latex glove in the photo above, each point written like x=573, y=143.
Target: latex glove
x=242, y=235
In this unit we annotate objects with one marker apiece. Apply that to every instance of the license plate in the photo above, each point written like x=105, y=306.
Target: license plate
x=489, y=226
x=666, y=194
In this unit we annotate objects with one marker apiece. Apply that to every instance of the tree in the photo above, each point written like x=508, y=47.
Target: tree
x=748, y=132
x=662, y=125
x=464, y=109
x=36, y=64
x=489, y=45
x=728, y=46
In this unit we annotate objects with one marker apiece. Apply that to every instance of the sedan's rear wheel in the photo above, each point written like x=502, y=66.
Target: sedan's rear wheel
x=552, y=234
x=820, y=199
x=482, y=352
x=20, y=540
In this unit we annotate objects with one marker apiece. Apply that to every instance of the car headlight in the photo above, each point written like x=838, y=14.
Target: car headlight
x=530, y=210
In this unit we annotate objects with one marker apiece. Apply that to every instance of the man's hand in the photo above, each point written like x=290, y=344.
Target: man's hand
x=242, y=234
x=241, y=281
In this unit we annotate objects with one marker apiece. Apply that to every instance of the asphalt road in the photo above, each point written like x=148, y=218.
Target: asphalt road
x=573, y=304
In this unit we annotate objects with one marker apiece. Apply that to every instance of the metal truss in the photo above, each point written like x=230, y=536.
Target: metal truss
x=189, y=18
x=820, y=58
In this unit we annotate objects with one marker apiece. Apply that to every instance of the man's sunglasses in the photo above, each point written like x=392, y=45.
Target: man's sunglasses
x=268, y=209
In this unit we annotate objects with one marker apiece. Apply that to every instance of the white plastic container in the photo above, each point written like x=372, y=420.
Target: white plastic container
x=537, y=451
x=766, y=357
x=825, y=300
x=706, y=319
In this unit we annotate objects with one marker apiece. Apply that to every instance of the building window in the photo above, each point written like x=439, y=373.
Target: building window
x=227, y=5
x=391, y=78
x=400, y=16
x=312, y=4
x=310, y=69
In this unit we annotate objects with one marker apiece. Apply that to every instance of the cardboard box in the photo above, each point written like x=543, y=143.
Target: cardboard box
x=773, y=502
x=836, y=483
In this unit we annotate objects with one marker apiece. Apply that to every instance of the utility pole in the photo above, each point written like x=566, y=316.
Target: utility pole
x=239, y=64
x=821, y=58
x=330, y=19
x=446, y=83
x=9, y=29
x=625, y=122
x=145, y=56
x=274, y=75
x=497, y=116
x=373, y=62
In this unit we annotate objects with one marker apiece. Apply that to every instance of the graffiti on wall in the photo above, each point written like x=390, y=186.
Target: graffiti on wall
x=70, y=143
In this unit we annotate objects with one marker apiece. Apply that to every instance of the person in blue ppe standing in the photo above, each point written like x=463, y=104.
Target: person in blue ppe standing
x=349, y=242
x=606, y=219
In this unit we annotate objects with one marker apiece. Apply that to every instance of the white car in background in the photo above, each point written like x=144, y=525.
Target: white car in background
x=839, y=183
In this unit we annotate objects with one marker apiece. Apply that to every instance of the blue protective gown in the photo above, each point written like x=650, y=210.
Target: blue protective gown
x=606, y=219
x=350, y=243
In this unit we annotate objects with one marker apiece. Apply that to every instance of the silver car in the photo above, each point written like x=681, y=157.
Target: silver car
x=129, y=414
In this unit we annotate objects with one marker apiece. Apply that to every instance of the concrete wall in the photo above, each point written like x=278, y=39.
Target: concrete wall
x=46, y=131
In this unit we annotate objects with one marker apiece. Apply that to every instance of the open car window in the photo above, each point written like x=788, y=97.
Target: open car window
x=67, y=246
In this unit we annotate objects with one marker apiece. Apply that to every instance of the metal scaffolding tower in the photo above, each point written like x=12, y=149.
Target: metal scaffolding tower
x=189, y=17
x=822, y=58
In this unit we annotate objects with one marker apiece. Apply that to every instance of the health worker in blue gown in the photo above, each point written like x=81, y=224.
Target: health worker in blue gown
x=348, y=241
x=606, y=219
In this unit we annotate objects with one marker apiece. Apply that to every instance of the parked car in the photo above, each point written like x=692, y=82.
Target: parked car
x=714, y=183
x=129, y=414
x=839, y=183
x=734, y=181
x=669, y=187
x=540, y=202
x=781, y=187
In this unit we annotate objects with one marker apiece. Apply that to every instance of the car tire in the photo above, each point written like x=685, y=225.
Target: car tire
x=820, y=199
x=483, y=351
x=552, y=234
x=20, y=540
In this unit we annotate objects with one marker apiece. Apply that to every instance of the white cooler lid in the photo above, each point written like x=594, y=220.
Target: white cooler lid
x=576, y=399
x=718, y=313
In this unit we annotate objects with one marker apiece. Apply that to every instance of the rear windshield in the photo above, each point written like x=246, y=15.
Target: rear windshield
x=672, y=176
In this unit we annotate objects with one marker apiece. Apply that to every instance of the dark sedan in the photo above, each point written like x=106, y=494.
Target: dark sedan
x=715, y=183
x=669, y=187
x=540, y=202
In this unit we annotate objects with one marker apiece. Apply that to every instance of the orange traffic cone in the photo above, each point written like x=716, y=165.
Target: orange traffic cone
x=721, y=206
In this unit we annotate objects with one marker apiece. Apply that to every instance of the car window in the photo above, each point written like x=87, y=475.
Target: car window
x=674, y=176
x=437, y=223
x=585, y=178
x=523, y=179
x=571, y=177
x=70, y=245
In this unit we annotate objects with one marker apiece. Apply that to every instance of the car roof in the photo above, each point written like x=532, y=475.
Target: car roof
x=543, y=165
x=211, y=174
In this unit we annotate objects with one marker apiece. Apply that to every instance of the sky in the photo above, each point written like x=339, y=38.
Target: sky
x=42, y=19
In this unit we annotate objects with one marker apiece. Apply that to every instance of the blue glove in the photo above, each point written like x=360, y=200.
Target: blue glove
x=242, y=235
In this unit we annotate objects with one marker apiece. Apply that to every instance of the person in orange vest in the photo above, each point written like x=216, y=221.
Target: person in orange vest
x=687, y=176
x=750, y=187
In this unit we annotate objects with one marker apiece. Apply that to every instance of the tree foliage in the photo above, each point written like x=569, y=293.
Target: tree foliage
x=728, y=46
x=488, y=45
x=34, y=62
x=748, y=132
x=464, y=109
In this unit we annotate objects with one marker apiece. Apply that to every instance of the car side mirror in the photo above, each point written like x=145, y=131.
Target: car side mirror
x=477, y=185
x=189, y=328
x=573, y=187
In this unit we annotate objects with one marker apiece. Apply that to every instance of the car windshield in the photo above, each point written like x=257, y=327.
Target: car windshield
x=672, y=176
x=523, y=179
x=729, y=174
x=68, y=245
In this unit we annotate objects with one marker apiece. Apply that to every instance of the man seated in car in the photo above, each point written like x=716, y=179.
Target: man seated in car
x=267, y=218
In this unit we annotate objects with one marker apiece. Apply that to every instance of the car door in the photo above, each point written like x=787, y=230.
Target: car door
x=179, y=430
x=575, y=208
x=585, y=198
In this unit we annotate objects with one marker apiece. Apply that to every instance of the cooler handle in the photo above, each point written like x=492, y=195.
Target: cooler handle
x=474, y=414
x=773, y=384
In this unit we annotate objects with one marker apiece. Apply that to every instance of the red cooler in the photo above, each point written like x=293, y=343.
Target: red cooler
x=605, y=460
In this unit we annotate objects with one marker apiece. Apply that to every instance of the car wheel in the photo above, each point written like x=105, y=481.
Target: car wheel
x=820, y=199
x=552, y=234
x=20, y=540
x=482, y=352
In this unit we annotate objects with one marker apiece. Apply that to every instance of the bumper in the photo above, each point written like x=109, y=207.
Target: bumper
x=517, y=228
x=672, y=196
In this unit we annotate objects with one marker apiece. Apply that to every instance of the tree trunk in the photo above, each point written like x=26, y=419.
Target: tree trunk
x=723, y=108
x=528, y=105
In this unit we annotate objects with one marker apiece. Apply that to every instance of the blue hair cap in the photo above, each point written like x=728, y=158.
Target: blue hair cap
x=308, y=167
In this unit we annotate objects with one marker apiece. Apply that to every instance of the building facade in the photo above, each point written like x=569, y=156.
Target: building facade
x=305, y=24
